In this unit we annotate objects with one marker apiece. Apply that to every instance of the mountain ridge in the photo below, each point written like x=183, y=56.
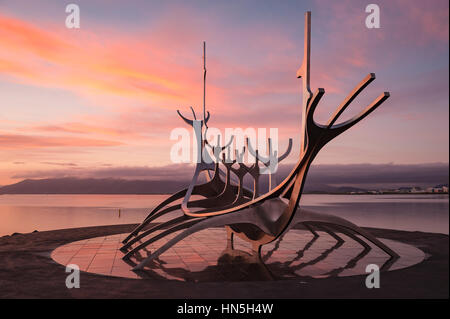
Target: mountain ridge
x=73, y=185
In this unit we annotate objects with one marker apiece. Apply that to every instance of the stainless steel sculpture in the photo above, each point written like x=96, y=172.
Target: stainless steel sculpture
x=258, y=219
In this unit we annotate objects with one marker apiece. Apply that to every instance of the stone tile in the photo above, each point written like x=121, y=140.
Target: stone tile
x=100, y=270
x=82, y=263
x=101, y=262
x=119, y=272
x=62, y=259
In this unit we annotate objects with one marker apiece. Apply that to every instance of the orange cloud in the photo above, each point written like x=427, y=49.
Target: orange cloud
x=83, y=129
x=18, y=35
x=86, y=64
x=15, y=141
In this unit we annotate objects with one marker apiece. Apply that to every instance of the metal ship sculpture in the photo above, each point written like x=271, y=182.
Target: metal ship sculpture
x=256, y=218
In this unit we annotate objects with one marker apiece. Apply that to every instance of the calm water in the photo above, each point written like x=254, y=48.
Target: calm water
x=26, y=213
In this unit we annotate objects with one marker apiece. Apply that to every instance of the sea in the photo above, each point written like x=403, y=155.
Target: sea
x=27, y=213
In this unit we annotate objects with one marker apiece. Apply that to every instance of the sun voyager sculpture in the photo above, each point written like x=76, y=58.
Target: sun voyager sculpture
x=256, y=218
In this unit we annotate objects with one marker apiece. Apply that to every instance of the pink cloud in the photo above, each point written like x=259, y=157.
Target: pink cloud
x=12, y=141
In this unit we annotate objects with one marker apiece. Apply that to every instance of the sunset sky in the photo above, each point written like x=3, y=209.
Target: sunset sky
x=103, y=98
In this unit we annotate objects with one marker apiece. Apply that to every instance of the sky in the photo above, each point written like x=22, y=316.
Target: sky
x=103, y=98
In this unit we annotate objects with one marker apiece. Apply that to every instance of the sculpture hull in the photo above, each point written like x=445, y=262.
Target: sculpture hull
x=272, y=220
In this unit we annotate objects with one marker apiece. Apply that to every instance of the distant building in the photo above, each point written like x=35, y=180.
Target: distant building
x=438, y=189
x=405, y=189
x=417, y=190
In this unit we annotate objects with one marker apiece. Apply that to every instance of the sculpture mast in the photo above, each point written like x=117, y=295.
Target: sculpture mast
x=304, y=72
x=207, y=172
x=204, y=82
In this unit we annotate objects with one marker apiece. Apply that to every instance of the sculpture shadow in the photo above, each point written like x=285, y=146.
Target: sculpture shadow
x=237, y=265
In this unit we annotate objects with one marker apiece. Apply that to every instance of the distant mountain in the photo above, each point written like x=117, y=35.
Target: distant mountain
x=123, y=186
x=92, y=186
x=321, y=179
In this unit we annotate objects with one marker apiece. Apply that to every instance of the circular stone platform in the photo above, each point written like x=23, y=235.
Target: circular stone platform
x=204, y=257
